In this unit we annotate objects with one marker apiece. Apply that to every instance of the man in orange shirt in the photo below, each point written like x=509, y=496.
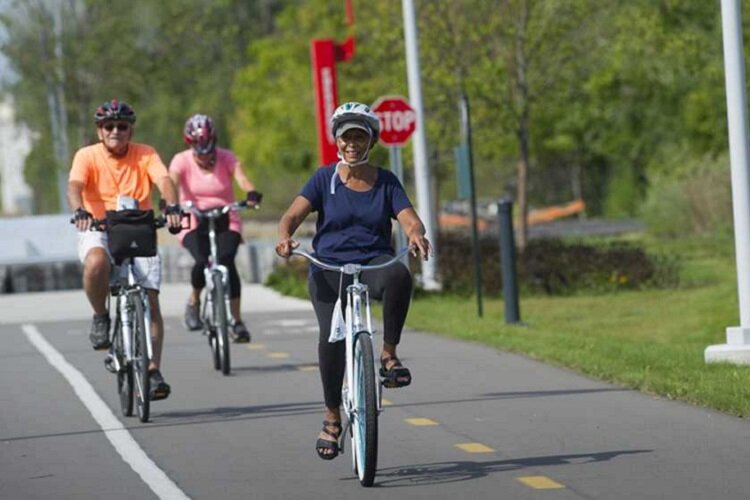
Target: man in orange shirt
x=100, y=173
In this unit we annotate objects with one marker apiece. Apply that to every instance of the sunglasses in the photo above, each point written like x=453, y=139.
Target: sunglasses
x=122, y=127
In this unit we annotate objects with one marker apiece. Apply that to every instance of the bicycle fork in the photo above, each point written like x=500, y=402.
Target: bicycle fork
x=208, y=273
x=356, y=326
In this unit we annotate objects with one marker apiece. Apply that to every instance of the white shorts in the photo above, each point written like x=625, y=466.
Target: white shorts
x=147, y=269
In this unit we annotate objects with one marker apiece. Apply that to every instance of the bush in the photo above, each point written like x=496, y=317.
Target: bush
x=290, y=278
x=554, y=267
x=696, y=201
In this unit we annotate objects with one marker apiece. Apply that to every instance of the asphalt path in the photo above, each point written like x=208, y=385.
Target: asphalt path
x=476, y=422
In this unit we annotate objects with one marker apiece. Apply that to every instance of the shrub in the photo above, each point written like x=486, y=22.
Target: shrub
x=290, y=278
x=554, y=267
x=696, y=201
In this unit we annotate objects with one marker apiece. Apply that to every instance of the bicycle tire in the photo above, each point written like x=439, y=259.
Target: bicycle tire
x=222, y=324
x=125, y=373
x=365, y=415
x=140, y=360
x=214, y=344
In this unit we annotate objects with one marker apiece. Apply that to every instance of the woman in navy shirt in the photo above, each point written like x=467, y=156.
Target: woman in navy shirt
x=355, y=202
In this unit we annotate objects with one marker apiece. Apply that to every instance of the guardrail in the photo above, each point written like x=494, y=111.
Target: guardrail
x=255, y=261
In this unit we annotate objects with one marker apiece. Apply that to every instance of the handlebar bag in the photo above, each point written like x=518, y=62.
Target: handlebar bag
x=131, y=233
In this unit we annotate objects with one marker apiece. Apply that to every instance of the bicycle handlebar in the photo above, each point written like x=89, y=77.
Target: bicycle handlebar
x=351, y=269
x=216, y=212
x=101, y=224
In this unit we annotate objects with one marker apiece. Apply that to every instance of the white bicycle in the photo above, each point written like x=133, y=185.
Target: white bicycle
x=362, y=390
x=217, y=313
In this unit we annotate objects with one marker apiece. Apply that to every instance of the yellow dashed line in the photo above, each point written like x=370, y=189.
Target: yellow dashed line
x=256, y=347
x=420, y=422
x=278, y=355
x=540, y=482
x=307, y=368
x=386, y=402
x=474, y=448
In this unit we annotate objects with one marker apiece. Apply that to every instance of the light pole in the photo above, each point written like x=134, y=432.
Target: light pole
x=421, y=168
x=737, y=348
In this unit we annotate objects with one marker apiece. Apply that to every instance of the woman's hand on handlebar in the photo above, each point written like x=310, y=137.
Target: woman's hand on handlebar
x=420, y=245
x=285, y=246
x=253, y=199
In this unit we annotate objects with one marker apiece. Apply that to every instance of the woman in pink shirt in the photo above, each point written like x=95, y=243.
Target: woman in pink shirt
x=204, y=176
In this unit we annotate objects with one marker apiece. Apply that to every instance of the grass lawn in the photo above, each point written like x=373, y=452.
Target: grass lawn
x=649, y=340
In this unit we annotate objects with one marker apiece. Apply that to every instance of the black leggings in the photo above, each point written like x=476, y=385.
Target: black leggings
x=200, y=248
x=392, y=285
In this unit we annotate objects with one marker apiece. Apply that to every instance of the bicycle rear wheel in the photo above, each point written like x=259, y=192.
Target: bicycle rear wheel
x=222, y=324
x=125, y=373
x=365, y=415
x=140, y=360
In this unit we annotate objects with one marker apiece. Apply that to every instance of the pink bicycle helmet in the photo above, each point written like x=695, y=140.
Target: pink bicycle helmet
x=200, y=134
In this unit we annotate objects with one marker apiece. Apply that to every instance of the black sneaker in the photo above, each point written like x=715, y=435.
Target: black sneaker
x=239, y=333
x=99, y=335
x=159, y=388
x=109, y=362
x=192, y=317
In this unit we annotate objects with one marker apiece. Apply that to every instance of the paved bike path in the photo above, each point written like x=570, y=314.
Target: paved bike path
x=522, y=425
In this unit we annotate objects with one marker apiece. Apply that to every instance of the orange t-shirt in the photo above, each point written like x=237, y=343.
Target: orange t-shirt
x=105, y=176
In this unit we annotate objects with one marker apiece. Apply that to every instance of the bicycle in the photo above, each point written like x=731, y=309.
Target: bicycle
x=216, y=314
x=361, y=394
x=131, y=350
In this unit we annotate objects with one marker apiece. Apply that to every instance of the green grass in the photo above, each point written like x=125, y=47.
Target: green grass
x=650, y=340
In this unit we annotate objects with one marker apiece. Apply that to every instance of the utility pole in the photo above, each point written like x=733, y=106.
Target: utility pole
x=422, y=175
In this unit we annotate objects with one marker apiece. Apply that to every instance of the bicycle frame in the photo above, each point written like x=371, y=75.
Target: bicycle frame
x=213, y=268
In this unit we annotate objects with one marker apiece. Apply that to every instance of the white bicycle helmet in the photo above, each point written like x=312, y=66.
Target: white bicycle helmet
x=355, y=115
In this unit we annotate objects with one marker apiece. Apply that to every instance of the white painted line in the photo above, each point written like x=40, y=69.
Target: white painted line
x=121, y=440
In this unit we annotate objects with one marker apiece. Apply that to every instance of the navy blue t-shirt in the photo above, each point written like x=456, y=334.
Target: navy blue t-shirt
x=353, y=226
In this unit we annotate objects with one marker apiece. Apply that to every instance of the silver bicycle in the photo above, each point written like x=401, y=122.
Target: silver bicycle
x=131, y=350
x=216, y=312
x=362, y=390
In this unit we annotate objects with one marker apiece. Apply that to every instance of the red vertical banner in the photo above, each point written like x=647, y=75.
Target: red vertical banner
x=326, y=98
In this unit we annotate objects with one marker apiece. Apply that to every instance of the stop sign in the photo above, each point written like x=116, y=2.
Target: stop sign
x=398, y=120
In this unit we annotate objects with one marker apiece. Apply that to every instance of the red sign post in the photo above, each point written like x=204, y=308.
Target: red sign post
x=398, y=120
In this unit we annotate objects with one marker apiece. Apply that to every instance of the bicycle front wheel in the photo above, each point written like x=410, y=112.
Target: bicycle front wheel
x=140, y=360
x=222, y=324
x=365, y=415
x=125, y=373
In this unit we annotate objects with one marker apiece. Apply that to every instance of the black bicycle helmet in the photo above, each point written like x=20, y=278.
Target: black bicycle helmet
x=114, y=110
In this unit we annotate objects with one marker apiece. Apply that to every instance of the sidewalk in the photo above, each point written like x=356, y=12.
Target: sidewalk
x=72, y=304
